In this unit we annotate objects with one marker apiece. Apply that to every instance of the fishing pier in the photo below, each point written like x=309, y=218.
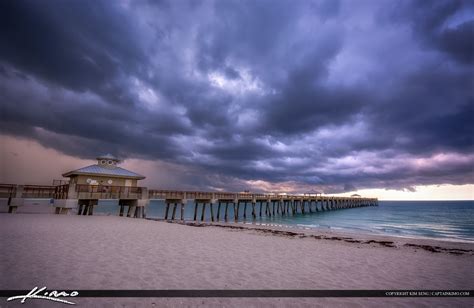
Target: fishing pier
x=80, y=195
x=242, y=206
x=81, y=199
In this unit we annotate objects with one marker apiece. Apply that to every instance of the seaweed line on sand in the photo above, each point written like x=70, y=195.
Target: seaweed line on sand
x=291, y=234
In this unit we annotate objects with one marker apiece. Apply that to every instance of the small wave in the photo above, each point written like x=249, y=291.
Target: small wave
x=308, y=226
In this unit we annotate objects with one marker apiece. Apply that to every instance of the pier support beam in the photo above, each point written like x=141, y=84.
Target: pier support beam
x=226, y=208
x=16, y=200
x=167, y=209
x=195, y=209
x=236, y=210
x=173, y=215
x=203, y=211
x=218, y=210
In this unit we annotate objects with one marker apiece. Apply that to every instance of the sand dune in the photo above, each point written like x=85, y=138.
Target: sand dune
x=109, y=252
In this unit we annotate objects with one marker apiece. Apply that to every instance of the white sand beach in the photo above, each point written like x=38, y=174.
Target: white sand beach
x=110, y=252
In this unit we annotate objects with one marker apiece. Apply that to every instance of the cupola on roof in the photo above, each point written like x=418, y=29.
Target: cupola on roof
x=106, y=165
x=108, y=157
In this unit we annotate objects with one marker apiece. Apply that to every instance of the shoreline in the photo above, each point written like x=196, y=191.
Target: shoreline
x=325, y=232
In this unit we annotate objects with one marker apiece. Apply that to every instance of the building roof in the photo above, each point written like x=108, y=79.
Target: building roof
x=100, y=170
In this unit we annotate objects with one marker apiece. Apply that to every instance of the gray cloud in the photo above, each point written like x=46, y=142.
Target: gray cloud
x=325, y=95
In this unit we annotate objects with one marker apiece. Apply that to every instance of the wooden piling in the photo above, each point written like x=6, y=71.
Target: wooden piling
x=173, y=215
x=226, y=206
x=167, y=210
x=195, y=209
x=203, y=211
x=236, y=210
x=212, y=211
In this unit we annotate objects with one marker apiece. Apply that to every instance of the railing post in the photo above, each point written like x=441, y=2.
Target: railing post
x=19, y=191
x=16, y=200
x=71, y=191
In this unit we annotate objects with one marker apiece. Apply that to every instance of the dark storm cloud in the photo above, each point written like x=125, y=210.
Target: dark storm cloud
x=79, y=45
x=334, y=95
x=446, y=25
x=432, y=107
x=458, y=42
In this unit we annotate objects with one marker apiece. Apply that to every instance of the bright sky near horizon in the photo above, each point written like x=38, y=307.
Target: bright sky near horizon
x=427, y=192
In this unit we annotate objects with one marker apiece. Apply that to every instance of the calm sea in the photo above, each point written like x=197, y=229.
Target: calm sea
x=449, y=220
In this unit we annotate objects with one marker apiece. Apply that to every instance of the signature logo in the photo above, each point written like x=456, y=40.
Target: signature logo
x=54, y=296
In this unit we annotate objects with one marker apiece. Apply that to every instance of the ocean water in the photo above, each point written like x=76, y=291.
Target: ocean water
x=448, y=220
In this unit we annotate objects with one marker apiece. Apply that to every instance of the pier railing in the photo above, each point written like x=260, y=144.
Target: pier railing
x=45, y=191
x=224, y=196
x=38, y=191
x=199, y=195
x=34, y=191
x=166, y=194
x=61, y=191
x=7, y=190
x=85, y=191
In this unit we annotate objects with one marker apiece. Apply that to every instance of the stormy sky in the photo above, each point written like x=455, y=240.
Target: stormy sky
x=299, y=96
